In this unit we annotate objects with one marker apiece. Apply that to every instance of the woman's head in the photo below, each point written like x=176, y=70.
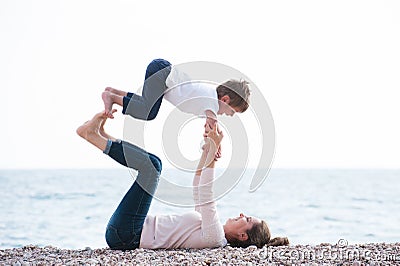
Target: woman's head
x=244, y=231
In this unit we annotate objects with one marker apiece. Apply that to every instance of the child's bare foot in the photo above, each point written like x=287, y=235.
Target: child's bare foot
x=91, y=128
x=107, y=97
x=115, y=91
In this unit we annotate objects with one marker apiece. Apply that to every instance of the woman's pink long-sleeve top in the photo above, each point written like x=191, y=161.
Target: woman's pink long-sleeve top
x=197, y=229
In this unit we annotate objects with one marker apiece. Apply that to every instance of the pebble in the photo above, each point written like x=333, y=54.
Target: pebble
x=324, y=254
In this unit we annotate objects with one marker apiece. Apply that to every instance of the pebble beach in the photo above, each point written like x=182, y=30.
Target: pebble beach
x=323, y=254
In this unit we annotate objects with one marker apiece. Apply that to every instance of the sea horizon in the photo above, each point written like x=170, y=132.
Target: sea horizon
x=69, y=208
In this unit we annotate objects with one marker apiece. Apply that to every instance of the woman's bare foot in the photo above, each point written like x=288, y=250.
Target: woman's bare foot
x=90, y=131
x=115, y=91
x=103, y=132
x=91, y=126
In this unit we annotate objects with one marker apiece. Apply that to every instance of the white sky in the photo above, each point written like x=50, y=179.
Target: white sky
x=330, y=71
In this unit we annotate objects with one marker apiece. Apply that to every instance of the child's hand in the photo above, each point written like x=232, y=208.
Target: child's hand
x=206, y=146
x=215, y=135
x=211, y=122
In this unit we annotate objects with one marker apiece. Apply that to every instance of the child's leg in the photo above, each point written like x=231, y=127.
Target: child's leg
x=125, y=225
x=146, y=106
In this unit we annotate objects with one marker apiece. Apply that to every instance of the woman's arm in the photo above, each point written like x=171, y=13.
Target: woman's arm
x=212, y=230
x=204, y=161
x=196, y=180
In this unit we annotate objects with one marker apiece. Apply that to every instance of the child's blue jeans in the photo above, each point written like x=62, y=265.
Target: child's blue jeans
x=125, y=225
x=146, y=106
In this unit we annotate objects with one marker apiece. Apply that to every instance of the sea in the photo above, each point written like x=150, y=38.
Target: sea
x=70, y=208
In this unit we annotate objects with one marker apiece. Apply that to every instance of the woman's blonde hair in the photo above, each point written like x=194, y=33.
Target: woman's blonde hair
x=259, y=235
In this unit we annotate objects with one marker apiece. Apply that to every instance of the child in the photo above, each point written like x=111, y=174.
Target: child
x=163, y=80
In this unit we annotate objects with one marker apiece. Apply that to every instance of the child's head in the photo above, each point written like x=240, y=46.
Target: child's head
x=235, y=93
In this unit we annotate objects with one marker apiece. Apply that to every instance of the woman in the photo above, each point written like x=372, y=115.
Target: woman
x=130, y=227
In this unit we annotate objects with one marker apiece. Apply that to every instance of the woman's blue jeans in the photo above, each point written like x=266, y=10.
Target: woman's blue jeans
x=146, y=106
x=125, y=225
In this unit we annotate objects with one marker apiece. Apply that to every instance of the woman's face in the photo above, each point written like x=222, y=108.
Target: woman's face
x=241, y=224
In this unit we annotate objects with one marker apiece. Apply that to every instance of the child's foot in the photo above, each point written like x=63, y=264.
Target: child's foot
x=91, y=128
x=108, y=103
x=115, y=91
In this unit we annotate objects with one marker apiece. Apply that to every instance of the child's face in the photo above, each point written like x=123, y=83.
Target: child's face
x=227, y=109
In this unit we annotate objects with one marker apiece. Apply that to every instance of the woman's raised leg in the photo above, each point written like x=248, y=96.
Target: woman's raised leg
x=125, y=225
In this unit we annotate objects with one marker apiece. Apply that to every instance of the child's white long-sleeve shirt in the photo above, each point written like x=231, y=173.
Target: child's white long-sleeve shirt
x=191, y=96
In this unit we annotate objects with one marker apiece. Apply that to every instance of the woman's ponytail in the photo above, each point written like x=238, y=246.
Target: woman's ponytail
x=278, y=241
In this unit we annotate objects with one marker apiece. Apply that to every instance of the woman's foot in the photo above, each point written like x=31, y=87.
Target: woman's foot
x=91, y=127
x=90, y=131
x=102, y=131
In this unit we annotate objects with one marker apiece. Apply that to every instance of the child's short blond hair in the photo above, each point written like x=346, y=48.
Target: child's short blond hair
x=238, y=92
